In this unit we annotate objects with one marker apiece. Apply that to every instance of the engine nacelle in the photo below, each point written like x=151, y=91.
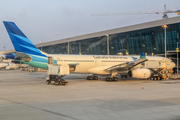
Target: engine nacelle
x=140, y=73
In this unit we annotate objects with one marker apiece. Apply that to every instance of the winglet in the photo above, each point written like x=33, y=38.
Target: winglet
x=142, y=56
x=134, y=58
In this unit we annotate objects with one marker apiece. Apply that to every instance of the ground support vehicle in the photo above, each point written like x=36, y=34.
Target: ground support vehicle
x=56, y=73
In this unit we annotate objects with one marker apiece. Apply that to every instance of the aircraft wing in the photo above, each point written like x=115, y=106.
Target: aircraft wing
x=128, y=65
x=22, y=56
x=123, y=65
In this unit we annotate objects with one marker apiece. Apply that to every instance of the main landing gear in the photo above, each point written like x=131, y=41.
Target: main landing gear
x=92, y=77
x=109, y=79
x=123, y=76
x=57, y=80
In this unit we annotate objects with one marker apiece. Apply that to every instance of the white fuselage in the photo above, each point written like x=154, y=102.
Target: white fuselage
x=96, y=64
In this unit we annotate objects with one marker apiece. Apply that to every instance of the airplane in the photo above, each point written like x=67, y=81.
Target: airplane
x=1, y=58
x=11, y=66
x=109, y=65
x=3, y=65
x=8, y=66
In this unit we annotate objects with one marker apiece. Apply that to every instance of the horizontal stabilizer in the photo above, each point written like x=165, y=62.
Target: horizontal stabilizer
x=22, y=56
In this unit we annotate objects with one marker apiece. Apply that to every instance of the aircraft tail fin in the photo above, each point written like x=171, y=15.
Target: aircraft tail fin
x=142, y=56
x=20, y=42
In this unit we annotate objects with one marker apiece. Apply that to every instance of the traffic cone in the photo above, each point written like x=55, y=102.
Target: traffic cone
x=142, y=87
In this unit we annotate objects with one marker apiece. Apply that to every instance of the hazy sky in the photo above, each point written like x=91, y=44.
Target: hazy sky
x=48, y=20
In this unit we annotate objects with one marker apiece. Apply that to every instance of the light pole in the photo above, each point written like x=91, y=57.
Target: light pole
x=107, y=44
x=4, y=49
x=68, y=47
x=177, y=50
x=4, y=52
x=79, y=48
x=41, y=45
x=165, y=26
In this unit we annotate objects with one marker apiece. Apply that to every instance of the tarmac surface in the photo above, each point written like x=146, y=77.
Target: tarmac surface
x=26, y=96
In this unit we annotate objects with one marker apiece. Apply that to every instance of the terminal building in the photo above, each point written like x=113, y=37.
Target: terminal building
x=145, y=37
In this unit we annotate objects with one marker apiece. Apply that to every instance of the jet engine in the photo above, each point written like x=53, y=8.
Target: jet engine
x=140, y=73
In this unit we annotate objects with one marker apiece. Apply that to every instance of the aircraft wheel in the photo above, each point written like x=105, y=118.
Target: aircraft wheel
x=95, y=77
x=90, y=77
x=87, y=77
x=48, y=82
x=110, y=79
x=115, y=79
x=107, y=79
